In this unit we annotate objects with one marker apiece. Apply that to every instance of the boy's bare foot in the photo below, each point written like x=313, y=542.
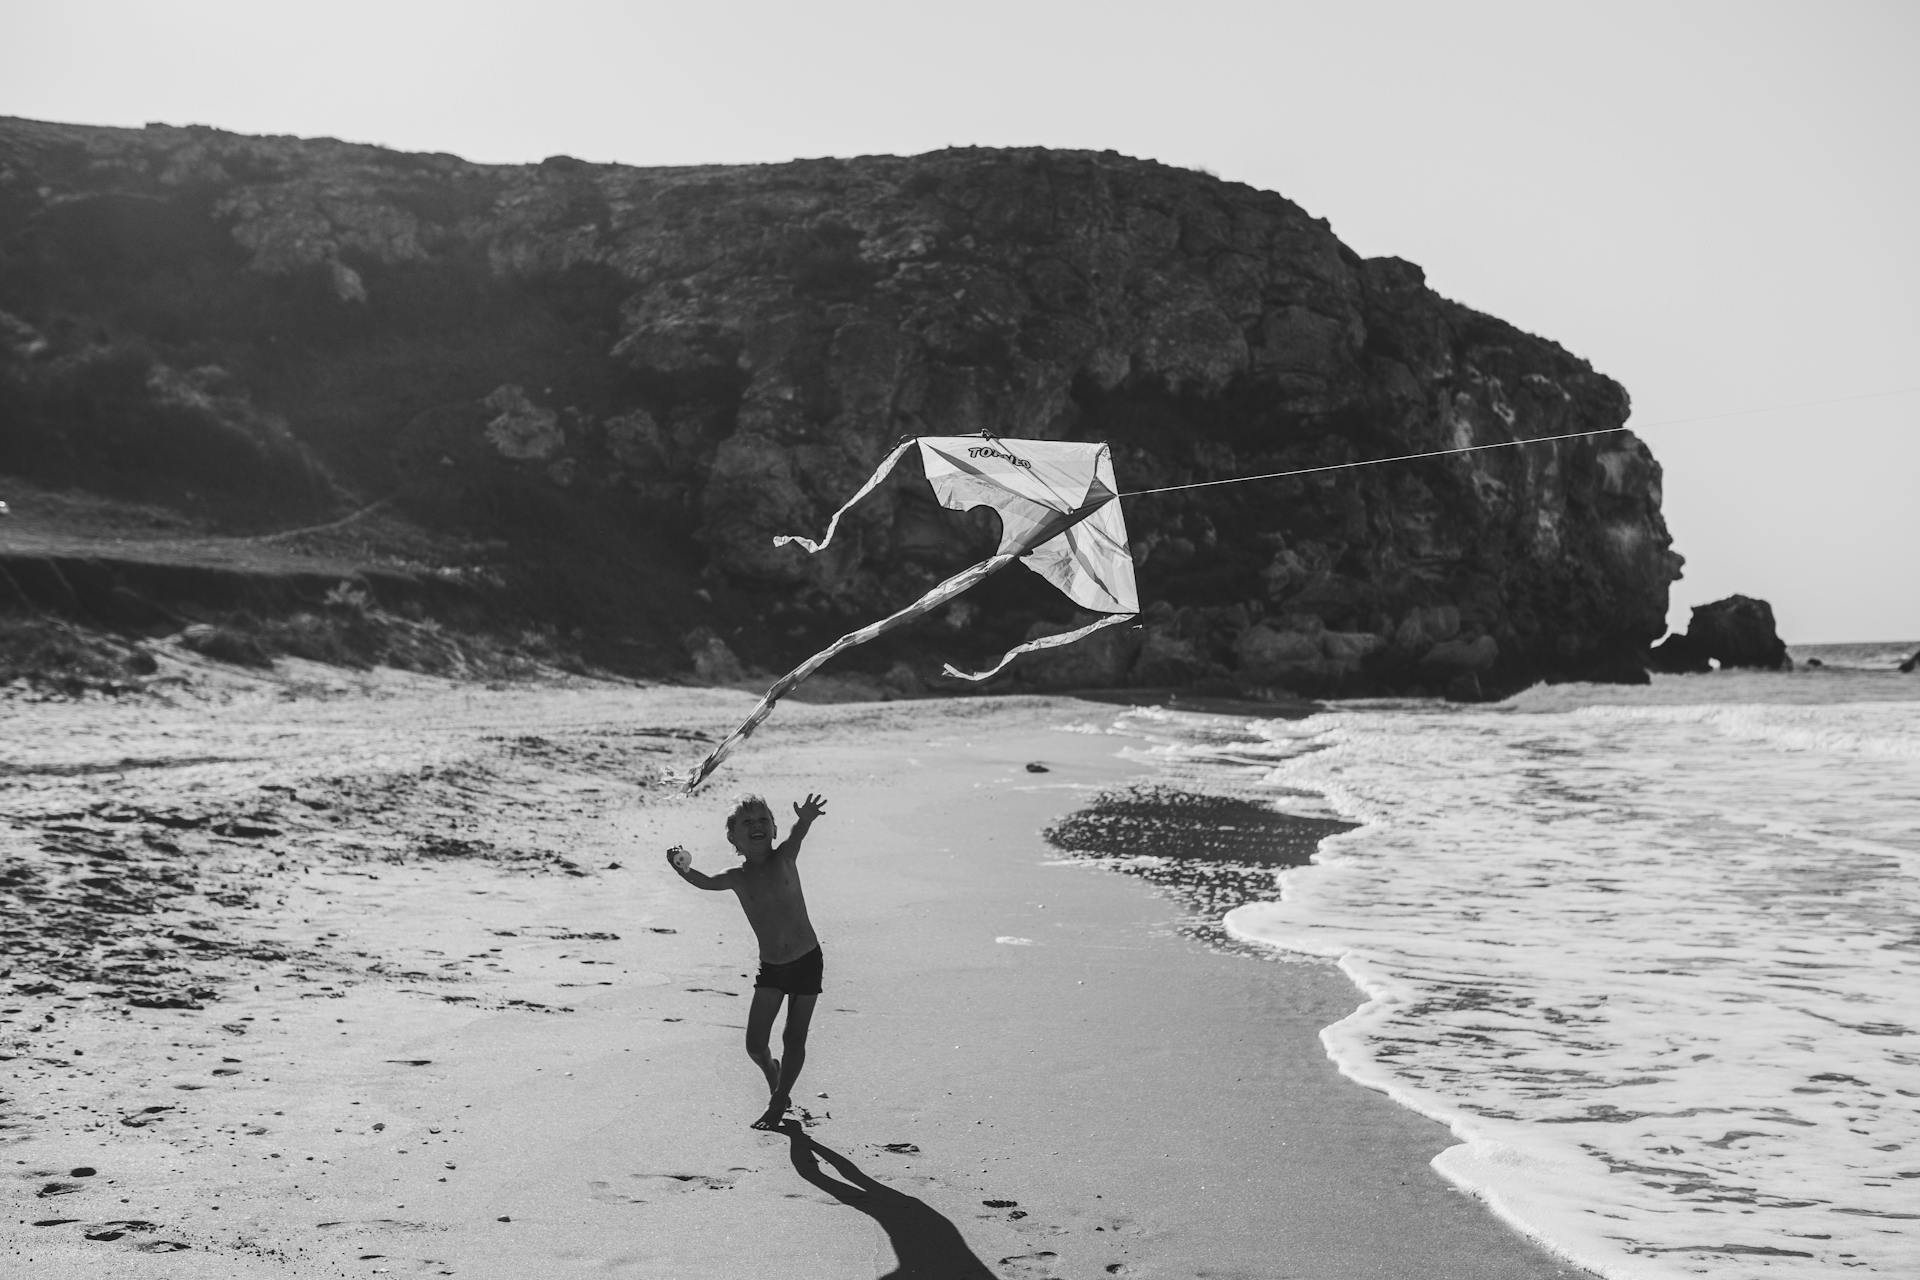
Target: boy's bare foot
x=776, y=1112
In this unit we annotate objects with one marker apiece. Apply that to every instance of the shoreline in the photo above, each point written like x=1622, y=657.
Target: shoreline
x=1504, y=1003
x=472, y=1061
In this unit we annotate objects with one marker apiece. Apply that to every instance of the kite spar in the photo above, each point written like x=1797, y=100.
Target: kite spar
x=1058, y=516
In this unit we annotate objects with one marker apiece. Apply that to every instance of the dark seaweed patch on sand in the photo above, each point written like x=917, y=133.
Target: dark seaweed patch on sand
x=1210, y=853
x=156, y=903
x=117, y=896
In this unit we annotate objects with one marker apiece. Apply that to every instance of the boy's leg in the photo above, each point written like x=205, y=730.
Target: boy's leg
x=766, y=1006
x=793, y=1044
x=793, y=1056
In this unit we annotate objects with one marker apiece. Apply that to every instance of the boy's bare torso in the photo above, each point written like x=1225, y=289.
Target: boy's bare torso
x=767, y=881
x=770, y=894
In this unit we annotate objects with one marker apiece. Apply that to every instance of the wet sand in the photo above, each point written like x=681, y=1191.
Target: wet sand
x=317, y=974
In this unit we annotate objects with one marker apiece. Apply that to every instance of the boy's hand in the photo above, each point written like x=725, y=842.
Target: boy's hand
x=679, y=859
x=810, y=808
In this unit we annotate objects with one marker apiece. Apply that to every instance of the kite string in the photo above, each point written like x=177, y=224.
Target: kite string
x=1508, y=444
x=1371, y=462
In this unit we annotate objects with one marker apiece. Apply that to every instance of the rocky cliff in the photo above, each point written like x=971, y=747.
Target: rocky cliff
x=631, y=378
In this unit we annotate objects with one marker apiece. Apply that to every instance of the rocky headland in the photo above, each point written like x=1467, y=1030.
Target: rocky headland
x=578, y=400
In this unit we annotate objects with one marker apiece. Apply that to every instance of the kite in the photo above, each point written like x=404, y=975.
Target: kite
x=1058, y=515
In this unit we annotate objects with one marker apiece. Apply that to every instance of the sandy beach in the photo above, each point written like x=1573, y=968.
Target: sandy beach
x=316, y=974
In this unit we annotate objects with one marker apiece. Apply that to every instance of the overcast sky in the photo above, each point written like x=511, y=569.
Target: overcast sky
x=1715, y=203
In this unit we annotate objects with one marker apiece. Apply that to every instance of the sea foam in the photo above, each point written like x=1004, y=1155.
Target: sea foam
x=1655, y=964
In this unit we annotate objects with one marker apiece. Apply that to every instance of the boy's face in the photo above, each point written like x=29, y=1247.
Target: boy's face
x=751, y=831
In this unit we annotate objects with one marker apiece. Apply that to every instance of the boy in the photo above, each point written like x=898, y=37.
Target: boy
x=768, y=886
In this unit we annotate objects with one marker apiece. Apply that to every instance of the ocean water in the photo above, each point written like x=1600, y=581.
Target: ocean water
x=1881, y=655
x=1653, y=954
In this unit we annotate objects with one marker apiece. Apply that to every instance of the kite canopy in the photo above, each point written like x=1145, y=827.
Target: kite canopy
x=1058, y=516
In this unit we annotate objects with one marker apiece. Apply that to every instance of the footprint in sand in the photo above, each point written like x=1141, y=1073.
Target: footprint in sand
x=116, y=1229
x=604, y=1193
x=376, y=1224
x=436, y=1265
x=703, y=1181
x=1022, y=1265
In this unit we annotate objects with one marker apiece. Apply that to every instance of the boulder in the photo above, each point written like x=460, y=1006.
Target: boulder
x=1911, y=664
x=713, y=661
x=1166, y=659
x=902, y=681
x=1264, y=655
x=1735, y=632
x=1284, y=574
x=1456, y=657
x=1739, y=632
x=521, y=430
x=1427, y=625
x=1347, y=650
x=224, y=644
x=635, y=441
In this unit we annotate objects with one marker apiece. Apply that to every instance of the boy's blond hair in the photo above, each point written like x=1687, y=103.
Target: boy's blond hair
x=745, y=803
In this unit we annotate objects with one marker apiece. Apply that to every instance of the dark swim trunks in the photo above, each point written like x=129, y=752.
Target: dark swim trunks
x=796, y=977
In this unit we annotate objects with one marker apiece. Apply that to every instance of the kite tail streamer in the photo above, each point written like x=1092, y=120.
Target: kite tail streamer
x=879, y=474
x=939, y=595
x=1044, y=642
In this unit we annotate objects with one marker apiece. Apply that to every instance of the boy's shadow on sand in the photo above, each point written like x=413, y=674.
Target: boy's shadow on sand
x=928, y=1246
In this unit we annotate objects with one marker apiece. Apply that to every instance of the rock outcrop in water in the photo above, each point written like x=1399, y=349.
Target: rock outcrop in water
x=1735, y=632
x=634, y=377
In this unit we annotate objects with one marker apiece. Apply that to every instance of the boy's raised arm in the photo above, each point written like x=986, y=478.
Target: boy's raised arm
x=803, y=815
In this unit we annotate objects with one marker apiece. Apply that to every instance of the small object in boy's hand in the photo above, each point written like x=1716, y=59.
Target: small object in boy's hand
x=680, y=858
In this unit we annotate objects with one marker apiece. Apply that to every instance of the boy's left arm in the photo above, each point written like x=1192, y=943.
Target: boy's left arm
x=803, y=815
